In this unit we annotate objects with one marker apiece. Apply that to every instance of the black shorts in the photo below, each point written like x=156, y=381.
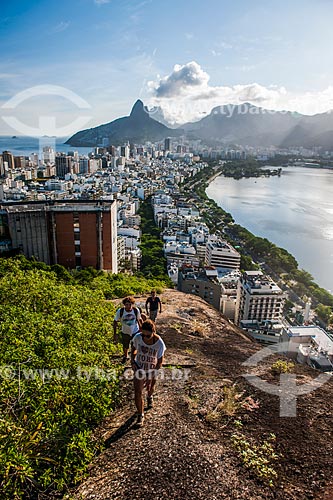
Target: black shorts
x=126, y=339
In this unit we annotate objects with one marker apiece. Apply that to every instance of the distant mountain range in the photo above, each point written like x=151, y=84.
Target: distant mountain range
x=243, y=124
x=138, y=128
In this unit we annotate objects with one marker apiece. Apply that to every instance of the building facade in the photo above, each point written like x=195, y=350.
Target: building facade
x=258, y=298
x=73, y=234
x=198, y=283
x=63, y=165
x=221, y=254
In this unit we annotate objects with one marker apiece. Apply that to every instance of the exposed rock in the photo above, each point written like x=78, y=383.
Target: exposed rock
x=185, y=450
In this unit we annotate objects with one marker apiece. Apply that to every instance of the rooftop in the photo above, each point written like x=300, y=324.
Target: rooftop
x=323, y=340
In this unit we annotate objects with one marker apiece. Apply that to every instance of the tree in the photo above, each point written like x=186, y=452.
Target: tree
x=324, y=313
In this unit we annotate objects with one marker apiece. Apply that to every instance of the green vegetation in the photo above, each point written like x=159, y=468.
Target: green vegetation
x=281, y=366
x=258, y=458
x=111, y=285
x=306, y=286
x=58, y=378
x=262, y=249
x=324, y=313
x=153, y=262
x=58, y=370
x=247, y=168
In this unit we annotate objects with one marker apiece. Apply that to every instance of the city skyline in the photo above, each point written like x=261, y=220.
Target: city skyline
x=185, y=59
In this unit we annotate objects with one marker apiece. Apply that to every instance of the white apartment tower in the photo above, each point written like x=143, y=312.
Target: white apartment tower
x=221, y=254
x=258, y=298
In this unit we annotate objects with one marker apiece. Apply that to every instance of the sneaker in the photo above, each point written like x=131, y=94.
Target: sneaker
x=139, y=420
x=150, y=401
x=124, y=359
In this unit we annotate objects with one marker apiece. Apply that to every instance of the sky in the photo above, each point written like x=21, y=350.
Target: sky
x=68, y=65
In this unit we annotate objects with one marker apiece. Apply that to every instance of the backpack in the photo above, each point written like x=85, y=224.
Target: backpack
x=135, y=309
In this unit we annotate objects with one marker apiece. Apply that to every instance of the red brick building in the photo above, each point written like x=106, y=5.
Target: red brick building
x=71, y=233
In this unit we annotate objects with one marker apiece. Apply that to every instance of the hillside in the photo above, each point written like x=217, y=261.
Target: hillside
x=185, y=449
x=139, y=127
x=242, y=124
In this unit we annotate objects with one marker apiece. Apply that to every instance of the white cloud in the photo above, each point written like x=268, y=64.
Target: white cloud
x=62, y=26
x=313, y=102
x=181, y=80
x=186, y=95
x=140, y=5
x=101, y=2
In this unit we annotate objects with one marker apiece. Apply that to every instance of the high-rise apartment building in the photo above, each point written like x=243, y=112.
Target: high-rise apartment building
x=63, y=165
x=20, y=162
x=221, y=254
x=83, y=165
x=70, y=233
x=167, y=144
x=2, y=167
x=125, y=151
x=9, y=159
x=258, y=298
x=48, y=154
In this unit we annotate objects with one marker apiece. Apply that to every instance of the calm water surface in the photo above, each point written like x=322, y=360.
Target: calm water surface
x=25, y=146
x=294, y=211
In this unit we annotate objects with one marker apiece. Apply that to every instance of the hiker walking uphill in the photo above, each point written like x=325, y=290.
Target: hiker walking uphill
x=153, y=304
x=146, y=359
x=130, y=319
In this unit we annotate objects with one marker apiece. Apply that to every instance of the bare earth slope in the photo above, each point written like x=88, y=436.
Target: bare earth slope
x=184, y=451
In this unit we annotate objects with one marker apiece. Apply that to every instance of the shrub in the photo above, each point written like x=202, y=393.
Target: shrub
x=58, y=379
x=259, y=458
x=233, y=402
x=281, y=366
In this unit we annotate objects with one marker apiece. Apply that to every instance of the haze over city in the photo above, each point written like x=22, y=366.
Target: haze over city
x=186, y=58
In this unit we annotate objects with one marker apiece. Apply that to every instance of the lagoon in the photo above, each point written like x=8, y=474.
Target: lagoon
x=294, y=211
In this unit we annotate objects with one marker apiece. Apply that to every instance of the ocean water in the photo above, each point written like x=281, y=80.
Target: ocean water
x=25, y=146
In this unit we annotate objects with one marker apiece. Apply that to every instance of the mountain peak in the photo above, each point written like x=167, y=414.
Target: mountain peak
x=138, y=108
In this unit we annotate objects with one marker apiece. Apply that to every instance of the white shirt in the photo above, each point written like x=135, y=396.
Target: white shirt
x=129, y=321
x=147, y=355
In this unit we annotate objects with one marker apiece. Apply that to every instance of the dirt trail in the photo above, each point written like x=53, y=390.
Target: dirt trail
x=182, y=452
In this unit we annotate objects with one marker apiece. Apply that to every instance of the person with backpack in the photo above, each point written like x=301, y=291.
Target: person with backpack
x=153, y=304
x=146, y=358
x=130, y=319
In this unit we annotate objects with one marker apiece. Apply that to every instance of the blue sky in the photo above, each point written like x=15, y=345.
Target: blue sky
x=274, y=53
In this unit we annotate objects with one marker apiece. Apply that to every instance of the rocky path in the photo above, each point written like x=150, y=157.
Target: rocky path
x=182, y=452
